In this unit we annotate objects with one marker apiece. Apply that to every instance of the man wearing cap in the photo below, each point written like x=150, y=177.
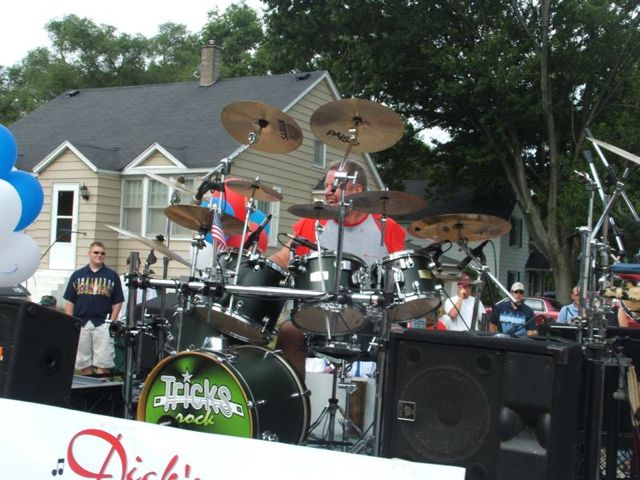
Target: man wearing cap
x=459, y=308
x=513, y=318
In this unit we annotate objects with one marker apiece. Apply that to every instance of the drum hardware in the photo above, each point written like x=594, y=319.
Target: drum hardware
x=378, y=127
x=261, y=126
x=176, y=185
x=157, y=245
x=327, y=418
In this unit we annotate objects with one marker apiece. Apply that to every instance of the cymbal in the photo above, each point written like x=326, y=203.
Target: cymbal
x=277, y=131
x=255, y=189
x=472, y=226
x=317, y=211
x=194, y=218
x=387, y=202
x=157, y=245
x=617, y=151
x=180, y=187
x=378, y=127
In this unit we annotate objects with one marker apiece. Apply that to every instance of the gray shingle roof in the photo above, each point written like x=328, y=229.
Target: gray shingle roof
x=112, y=126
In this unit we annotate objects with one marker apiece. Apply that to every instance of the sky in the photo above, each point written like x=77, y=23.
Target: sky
x=22, y=23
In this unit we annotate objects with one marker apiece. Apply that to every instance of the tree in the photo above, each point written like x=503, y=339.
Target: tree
x=515, y=83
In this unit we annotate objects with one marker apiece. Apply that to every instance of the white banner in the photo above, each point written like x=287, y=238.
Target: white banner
x=40, y=442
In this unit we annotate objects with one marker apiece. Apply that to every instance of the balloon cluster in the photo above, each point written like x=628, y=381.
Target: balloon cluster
x=234, y=205
x=21, y=198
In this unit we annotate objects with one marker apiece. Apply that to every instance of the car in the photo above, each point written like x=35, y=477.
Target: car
x=546, y=309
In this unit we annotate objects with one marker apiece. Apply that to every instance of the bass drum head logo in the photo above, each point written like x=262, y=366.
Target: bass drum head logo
x=197, y=391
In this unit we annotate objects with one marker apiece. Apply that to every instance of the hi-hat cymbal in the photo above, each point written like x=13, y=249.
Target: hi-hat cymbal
x=472, y=226
x=617, y=151
x=195, y=218
x=387, y=202
x=255, y=189
x=180, y=187
x=157, y=245
x=378, y=127
x=317, y=211
x=277, y=131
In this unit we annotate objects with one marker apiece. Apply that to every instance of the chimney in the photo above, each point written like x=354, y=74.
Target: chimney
x=210, y=64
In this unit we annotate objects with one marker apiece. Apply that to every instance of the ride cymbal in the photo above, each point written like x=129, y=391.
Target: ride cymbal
x=157, y=245
x=317, y=211
x=472, y=226
x=616, y=150
x=196, y=218
x=254, y=189
x=276, y=131
x=176, y=185
x=378, y=127
x=387, y=202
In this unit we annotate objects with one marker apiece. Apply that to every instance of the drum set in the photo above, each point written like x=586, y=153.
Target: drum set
x=231, y=382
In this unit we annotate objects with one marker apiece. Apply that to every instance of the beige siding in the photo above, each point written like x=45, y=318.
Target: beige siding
x=157, y=160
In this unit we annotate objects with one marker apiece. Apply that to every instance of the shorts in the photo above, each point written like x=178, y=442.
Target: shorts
x=95, y=347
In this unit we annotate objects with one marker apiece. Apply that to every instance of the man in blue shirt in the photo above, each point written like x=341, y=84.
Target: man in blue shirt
x=513, y=318
x=94, y=294
x=569, y=312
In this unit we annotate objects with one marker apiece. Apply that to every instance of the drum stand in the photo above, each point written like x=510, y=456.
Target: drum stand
x=331, y=410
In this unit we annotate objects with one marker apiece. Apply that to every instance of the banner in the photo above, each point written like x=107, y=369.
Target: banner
x=40, y=442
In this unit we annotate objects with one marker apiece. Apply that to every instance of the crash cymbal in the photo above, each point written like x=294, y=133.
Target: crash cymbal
x=317, y=211
x=617, y=151
x=255, y=189
x=277, y=132
x=387, y=202
x=157, y=245
x=176, y=185
x=472, y=226
x=194, y=218
x=378, y=127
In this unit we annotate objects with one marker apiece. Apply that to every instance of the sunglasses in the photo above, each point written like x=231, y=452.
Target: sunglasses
x=99, y=253
x=518, y=291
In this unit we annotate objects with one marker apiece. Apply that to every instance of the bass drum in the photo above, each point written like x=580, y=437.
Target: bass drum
x=247, y=391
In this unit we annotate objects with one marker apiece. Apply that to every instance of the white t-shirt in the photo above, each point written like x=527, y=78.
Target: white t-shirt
x=462, y=321
x=151, y=293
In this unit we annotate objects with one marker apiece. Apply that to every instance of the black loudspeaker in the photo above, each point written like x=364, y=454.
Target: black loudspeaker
x=38, y=348
x=97, y=395
x=504, y=408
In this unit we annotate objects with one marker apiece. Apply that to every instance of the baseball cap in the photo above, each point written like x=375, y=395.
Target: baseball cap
x=517, y=286
x=48, y=300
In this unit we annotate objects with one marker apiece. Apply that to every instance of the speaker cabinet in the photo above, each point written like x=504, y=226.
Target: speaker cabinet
x=38, y=348
x=504, y=408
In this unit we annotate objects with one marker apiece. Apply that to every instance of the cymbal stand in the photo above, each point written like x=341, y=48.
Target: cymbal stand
x=175, y=198
x=330, y=411
x=131, y=323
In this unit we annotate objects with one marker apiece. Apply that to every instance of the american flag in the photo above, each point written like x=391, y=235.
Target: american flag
x=217, y=234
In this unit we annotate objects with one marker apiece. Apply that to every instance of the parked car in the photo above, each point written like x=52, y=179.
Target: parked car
x=545, y=309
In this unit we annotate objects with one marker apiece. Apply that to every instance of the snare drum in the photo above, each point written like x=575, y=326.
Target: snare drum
x=324, y=318
x=248, y=392
x=247, y=317
x=414, y=293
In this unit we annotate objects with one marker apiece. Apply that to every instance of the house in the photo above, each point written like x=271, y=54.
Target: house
x=509, y=258
x=91, y=150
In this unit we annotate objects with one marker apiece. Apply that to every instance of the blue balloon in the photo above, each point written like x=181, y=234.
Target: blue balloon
x=8, y=151
x=31, y=196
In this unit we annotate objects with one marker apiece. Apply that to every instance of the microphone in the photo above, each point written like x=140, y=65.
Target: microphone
x=255, y=235
x=583, y=176
x=206, y=185
x=302, y=241
x=476, y=252
x=435, y=249
x=66, y=230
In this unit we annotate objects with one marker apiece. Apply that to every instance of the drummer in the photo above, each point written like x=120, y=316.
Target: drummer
x=361, y=237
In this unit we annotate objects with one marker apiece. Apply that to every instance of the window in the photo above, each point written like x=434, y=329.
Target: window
x=143, y=204
x=272, y=208
x=319, y=154
x=515, y=235
x=512, y=277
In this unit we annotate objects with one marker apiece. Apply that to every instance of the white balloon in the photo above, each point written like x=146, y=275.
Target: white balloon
x=11, y=209
x=19, y=259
